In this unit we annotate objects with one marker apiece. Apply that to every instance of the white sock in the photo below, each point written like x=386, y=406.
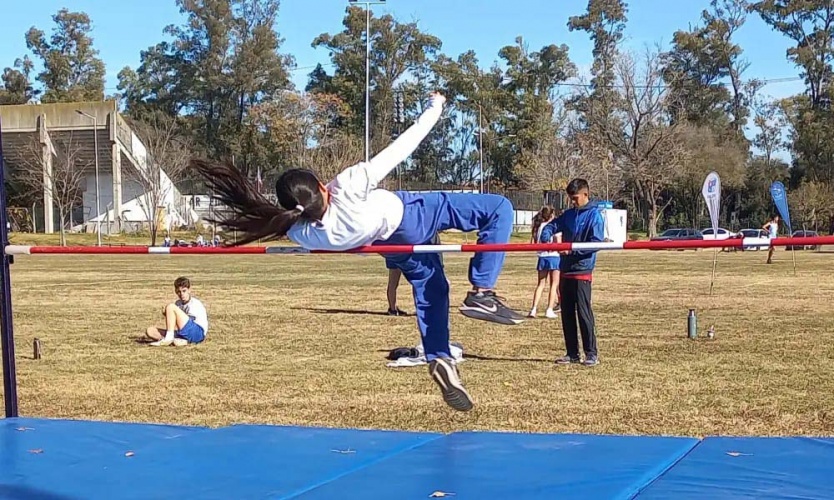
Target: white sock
x=169, y=335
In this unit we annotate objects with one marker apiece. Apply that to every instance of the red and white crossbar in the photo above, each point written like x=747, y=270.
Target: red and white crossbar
x=747, y=243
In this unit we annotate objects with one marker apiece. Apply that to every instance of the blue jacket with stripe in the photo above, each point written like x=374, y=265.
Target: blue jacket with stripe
x=577, y=225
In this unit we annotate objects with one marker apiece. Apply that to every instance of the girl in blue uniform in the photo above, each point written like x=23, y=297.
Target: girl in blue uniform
x=350, y=211
x=547, y=265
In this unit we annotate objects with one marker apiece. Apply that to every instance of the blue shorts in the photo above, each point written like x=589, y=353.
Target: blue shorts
x=192, y=332
x=548, y=264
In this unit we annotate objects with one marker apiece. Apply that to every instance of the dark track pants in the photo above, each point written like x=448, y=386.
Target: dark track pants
x=576, y=301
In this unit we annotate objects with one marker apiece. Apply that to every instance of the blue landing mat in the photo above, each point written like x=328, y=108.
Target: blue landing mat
x=39, y=457
x=771, y=468
x=241, y=461
x=70, y=459
x=257, y=461
x=513, y=465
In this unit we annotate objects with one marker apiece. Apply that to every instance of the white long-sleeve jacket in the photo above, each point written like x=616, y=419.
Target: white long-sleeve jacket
x=358, y=213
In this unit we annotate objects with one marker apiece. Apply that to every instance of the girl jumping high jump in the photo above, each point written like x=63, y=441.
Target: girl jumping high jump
x=350, y=211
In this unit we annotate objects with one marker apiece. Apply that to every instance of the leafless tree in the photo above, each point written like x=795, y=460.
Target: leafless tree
x=65, y=178
x=301, y=130
x=596, y=163
x=643, y=141
x=167, y=156
x=551, y=162
x=339, y=151
x=813, y=202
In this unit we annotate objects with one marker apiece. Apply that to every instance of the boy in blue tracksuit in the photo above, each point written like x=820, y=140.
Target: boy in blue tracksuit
x=582, y=223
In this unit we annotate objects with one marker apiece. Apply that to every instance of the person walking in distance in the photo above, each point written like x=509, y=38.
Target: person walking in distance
x=772, y=228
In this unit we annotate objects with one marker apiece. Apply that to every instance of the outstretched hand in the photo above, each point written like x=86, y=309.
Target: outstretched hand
x=437, y=97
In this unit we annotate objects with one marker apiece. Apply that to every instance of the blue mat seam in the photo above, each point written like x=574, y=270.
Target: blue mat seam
x=362, y=466
x=662, y=473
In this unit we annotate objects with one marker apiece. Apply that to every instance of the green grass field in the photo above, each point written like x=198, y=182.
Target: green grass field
x=302, y=340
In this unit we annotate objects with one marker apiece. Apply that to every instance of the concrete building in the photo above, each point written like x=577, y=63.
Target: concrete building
x=37, y=132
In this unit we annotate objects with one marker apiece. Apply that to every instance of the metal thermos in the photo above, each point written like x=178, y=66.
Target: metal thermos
x=692, y=324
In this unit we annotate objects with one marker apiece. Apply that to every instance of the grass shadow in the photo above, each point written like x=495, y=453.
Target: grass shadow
x=497, y=358
x=492, y=358
x=341, y=311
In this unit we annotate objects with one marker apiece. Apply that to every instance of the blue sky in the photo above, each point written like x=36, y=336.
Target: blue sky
x=123, y=28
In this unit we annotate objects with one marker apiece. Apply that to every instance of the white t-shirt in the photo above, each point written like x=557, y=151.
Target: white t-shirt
x=773, y=229
x=197, y=311
x=359, y=213
x=544, y=253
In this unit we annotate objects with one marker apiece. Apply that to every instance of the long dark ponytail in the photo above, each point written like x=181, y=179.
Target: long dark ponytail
x=252, y=214
x=543, y=215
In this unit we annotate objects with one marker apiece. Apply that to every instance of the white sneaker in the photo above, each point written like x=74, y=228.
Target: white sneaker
x=532, y=313
x=162, y=342
x=178, y=342
x=550, y=313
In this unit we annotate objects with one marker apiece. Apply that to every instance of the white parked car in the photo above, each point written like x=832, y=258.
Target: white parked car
x=757, y=237
x=752, y=233
x=720, y=235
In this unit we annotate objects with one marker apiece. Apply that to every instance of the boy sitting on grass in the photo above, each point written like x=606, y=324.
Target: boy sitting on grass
x=186, y=320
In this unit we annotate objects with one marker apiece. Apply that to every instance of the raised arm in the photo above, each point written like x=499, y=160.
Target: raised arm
x=360, y=179
x=383, y=163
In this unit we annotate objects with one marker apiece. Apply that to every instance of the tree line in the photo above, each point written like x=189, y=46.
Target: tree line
x=645, y=128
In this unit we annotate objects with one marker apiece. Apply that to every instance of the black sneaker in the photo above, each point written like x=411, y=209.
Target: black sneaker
x=489, y=307
x=591, y=361
x=567, y=360
x=445, y=374
x=397, y=312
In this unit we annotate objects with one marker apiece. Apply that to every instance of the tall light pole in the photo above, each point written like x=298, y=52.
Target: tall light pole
x=95, y=145
x=480, y=149
x=607, y=170
x=367, y=73
x=481, y=130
